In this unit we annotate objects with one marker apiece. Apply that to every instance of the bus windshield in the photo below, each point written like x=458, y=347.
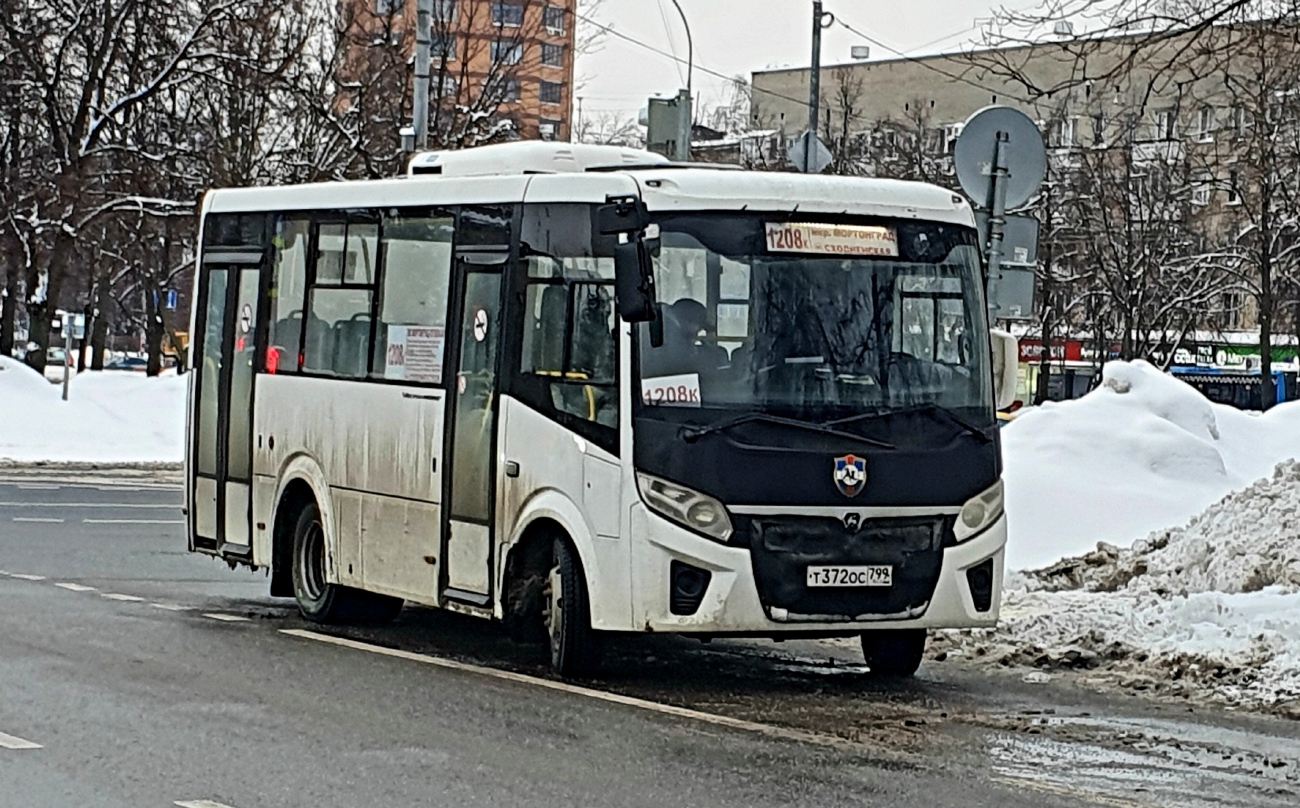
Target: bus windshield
x=816, y=319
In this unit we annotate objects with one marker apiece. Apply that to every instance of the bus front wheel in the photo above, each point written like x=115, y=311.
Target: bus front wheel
x=895, y=653
x=575, y=647
x=320, y=601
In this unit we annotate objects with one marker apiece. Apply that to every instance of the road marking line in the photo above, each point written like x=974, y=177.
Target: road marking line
x=38, y=487
x=768, y=730
x=226, y=618
x=199, y=804
x=173, y=505
x=133, y=521
x=38, y=519
x=75, y=587
x=116, y=596
x=171, y=607
x=25, y=577
x=14, y=742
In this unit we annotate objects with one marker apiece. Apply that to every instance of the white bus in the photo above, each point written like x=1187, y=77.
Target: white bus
x=610, y=398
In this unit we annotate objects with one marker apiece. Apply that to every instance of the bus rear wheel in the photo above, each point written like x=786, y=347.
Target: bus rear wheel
x=575, y=647
x=894, y=653
x=320, y=601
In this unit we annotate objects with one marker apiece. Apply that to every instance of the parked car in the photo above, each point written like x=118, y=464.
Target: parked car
x=126, y=362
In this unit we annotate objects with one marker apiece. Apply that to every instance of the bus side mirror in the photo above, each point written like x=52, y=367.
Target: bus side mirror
x=1006, y=358
x=634, y=281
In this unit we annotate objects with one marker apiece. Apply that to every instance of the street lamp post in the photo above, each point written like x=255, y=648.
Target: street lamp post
x=686, y=103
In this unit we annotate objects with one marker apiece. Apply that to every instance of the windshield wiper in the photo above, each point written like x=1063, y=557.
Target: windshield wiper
x=933, y=409
x=692, y=434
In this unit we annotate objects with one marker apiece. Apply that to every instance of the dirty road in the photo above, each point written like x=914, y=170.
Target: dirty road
x=135, y=674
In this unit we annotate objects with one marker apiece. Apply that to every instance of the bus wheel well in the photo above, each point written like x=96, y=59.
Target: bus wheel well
x=527, y=566
x=297, y=495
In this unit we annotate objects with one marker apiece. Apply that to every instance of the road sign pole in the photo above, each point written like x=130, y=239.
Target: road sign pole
x=814, y=85
x=67, y=352
x=997, y=218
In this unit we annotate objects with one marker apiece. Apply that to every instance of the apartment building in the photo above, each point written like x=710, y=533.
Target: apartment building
x=1207, y=122
x=500, y=69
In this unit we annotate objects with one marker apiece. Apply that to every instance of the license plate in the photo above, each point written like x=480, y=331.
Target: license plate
x=874, y=575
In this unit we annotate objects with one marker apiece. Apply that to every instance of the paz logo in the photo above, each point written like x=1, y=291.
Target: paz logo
x=850, y=474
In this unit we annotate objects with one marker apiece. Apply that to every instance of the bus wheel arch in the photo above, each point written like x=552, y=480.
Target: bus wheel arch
x=297, y=495
x=547, y=599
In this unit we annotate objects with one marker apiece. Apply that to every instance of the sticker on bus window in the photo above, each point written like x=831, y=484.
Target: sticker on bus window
x=414, y=354
x=832, y=239
x=682, y=390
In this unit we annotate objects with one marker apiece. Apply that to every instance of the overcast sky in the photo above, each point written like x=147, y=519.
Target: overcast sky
x=740, y=36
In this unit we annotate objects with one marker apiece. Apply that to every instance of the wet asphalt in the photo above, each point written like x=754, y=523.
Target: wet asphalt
x=133, y=673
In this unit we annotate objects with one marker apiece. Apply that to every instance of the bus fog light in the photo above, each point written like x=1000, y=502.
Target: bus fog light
x=979, y=512
x=688, y=508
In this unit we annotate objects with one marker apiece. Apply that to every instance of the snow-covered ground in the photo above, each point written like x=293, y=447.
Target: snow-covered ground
x=1194, y=588
x=110, y=417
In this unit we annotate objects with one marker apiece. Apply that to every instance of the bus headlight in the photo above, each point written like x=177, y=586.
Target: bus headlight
x=979, y=512
x=686, y=507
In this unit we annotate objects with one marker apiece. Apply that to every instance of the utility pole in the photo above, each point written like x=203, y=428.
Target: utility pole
x=420, y=103
x=821, y=21
x=685, y=102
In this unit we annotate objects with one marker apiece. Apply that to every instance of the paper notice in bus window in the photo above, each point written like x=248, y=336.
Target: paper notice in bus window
x=414, y=354
x=672, y=391
x=832, y=239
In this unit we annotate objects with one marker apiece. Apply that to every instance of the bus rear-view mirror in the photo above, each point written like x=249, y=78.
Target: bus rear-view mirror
x=634, y=282
x=1006, y=357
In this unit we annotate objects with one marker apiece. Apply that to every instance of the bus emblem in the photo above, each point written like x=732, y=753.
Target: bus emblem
x=850, y=474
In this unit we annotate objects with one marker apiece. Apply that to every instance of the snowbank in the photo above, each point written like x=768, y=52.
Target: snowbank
x=1211, y=608
x=110, y=417
x=1142, y=452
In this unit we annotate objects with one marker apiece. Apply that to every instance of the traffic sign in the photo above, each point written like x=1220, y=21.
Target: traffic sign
x=821, y=156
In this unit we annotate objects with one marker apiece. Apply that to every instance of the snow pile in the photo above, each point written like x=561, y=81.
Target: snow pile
x=110, y=417
x=1210, y=609
x=1140, y=453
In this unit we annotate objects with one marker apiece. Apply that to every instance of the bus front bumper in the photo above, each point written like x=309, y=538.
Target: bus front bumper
x=967, y=593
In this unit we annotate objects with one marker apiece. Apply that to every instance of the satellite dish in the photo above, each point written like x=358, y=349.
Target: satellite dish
x=1026, y=158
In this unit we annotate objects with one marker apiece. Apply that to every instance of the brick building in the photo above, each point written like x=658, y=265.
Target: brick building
x=500, y=69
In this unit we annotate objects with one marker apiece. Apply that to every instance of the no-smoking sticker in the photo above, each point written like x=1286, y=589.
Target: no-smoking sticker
x=480, y=324
x=246, y=319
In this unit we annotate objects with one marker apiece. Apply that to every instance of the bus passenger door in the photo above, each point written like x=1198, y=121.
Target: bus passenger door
x=223, y=424
x=467, y=542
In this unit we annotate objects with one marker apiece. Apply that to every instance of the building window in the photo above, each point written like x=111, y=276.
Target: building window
x=948, y=137
x=1241, y=120
x=1062, y=133
x=1098, y=130
x=1205, y=124
x=445, y=87
x=507, y=14
x=552, y=55
x=443, y=46
x=548, y=129
x=550, y=92
x=1164, y=126
x=444, y=11
x=506, y=52
x=1202, y=184
x=1231, y=302
x=553, y=19
x=1234, y=187
x=384, y=8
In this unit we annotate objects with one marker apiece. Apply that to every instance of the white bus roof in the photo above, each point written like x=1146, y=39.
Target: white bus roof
x=664, y=187
x=528, y=157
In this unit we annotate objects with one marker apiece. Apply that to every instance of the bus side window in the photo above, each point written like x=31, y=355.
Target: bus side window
x=339, y=302
x=410, y=339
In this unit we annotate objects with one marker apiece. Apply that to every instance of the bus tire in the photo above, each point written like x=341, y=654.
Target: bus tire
x=323, y=602
x=894, y=653
x=575, y=647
